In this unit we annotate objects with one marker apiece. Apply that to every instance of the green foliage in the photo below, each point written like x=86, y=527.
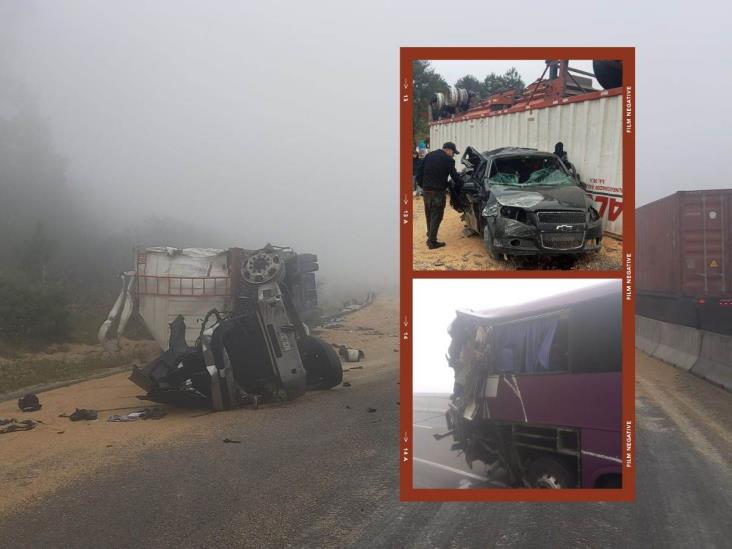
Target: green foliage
x=510, y=80
x=32, y=312
x=470, y=83
x=425, y=82
x=35, y=254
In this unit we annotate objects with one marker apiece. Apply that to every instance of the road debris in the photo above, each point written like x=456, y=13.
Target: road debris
x=29, y=403
x=346, y=384
x=81, y=413
x=10, y=425
x=231, y=441
x=371, y=410
x=147, y=413
x=349, y=354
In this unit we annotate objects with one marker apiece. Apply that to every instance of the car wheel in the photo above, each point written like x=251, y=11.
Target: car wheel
x=550, y=473
x=488, y=241
x=321, y=363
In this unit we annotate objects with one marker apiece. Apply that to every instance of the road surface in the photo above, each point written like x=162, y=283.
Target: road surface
x=322, y=472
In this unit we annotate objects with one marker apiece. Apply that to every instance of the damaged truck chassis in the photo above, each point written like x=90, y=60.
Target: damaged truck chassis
x=252, y=346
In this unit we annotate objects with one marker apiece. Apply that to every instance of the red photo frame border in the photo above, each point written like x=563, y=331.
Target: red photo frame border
x=407, y=274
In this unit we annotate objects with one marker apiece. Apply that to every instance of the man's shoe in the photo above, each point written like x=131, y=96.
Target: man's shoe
x=433, y=245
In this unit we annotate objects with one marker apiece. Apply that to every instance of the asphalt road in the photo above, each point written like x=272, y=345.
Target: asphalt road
x=316, y=473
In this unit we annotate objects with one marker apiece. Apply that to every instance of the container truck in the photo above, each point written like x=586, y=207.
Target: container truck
x=684, y=259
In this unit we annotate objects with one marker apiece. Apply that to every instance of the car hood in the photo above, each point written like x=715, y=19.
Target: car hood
x=541, y=197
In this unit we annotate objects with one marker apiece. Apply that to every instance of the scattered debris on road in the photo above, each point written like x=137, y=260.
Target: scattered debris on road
x=371, y=410
x=349, y=354
x=29, y=403
x=231, y=441
x=80, y=414
x=147, y=413
x=11, y=425
x=346, y=384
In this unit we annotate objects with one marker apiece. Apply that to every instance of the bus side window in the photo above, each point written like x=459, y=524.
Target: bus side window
x=559, y=353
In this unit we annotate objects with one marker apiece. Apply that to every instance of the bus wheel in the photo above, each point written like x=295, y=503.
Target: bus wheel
x=549, y=472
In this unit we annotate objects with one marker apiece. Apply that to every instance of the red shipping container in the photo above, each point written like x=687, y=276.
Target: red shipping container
x=684, y=245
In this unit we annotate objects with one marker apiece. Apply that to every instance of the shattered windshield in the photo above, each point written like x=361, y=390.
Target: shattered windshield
x=529, y=170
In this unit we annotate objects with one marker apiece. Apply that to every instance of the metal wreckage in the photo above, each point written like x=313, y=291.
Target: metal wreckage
x=231, y=324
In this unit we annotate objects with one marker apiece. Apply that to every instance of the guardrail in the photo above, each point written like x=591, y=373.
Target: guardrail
x=705, y=354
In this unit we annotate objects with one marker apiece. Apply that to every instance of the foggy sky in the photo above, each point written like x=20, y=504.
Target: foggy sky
x=279, y=122
x=436, y=300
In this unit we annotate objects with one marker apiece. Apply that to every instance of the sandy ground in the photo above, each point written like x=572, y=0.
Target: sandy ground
x=59, y=452
x=468, y=253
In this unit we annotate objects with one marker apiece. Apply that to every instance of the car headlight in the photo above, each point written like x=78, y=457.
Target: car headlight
x=514, y=213
x=593, y=215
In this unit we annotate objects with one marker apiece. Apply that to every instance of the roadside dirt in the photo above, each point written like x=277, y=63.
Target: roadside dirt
x=467, y=252
x=58, y=451
x=708, y=427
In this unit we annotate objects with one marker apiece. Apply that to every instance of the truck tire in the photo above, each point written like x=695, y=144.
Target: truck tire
x=550, y=472
x=321, y=363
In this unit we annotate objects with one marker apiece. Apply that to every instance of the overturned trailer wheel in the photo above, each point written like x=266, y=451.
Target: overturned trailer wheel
x=321, y=363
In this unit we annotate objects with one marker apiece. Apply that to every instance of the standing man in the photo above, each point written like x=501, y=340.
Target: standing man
x=562, y=154
x=432, y=177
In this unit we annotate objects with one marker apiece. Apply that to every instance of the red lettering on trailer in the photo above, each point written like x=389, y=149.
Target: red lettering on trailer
x=610, y=205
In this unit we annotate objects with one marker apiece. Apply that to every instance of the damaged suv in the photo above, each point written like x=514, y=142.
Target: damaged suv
x=526, y=202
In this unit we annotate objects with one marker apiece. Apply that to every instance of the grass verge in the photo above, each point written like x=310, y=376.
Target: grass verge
x=36, y=371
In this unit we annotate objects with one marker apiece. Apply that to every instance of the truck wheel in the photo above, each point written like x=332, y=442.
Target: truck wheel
x=549, y=472
x=488, y=241
x=321, y=363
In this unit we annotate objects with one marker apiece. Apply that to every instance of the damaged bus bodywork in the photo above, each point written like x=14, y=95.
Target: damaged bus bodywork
x=537, y=394
x=526, y=202
x=230, y=324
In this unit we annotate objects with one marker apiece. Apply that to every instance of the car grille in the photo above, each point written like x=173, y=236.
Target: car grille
x=561, y=217
x=562, y=241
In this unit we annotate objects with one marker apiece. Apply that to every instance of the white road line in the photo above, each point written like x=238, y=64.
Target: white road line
x=609, y=458
x=422, y=426
x=451, y=469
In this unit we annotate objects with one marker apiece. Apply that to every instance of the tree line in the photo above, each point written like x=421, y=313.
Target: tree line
x=426, y=82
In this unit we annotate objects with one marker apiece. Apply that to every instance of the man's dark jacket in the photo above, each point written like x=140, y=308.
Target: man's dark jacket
x=432, y=174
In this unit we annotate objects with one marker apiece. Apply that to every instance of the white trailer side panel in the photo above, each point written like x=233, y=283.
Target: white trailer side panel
x=590, y=130
x=172, y=282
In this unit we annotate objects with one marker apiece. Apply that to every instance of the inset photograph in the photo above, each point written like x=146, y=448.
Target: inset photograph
x=517, y=383
x=517, y=165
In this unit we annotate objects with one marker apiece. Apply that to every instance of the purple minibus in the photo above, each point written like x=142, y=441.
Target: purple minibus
x=537, y=395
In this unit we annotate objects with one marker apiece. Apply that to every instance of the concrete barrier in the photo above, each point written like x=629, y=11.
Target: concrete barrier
x=647, y=334
x=678, y=345
x=715, y=360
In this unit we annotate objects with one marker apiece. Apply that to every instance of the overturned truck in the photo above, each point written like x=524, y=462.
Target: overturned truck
x=231, y=324
x=537, y=394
